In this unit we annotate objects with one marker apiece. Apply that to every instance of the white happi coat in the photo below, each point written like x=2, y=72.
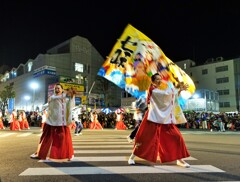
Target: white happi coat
x=75, y=113
x=164, y=107
x=60, y=108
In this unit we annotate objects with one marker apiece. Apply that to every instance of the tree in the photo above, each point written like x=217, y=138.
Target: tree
x=5, y=95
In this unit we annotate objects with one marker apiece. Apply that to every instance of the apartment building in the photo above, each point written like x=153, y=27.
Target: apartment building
x=217, y=76
x=74, y=63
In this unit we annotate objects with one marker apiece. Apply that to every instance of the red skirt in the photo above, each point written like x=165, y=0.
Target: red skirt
x=120, y=125
x=163, y=140
x=25, y=124
x=95, y=125
x=57, y=142
x=1, y=125
x=14, y=125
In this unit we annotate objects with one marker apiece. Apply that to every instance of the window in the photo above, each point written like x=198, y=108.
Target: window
x=223, y=92
x=212, y=95
x=185, y=66
x=222, y=80
x=79, y=67
x=224, y=104
x=205, y=71
x=221, y=68
x=203, y=93
x=207, y=94
x=216, y=96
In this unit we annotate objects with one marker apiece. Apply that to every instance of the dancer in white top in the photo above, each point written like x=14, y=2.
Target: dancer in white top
x=56, y=137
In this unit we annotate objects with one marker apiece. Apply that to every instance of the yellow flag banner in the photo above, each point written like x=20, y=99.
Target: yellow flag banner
x=134, y=59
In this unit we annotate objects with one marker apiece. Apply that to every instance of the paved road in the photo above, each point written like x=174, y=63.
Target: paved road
x=101, y=155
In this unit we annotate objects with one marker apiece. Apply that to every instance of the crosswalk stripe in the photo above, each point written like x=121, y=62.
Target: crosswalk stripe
x=7, y=134
x=210, y=133
x=107, y=142
x=104, y=146
x=102, y=151
x=102, y=136
x=99, y=140
x=119, y=170
x=24, y=134
x=110, y=158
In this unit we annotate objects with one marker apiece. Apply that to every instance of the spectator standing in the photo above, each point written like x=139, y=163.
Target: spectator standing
x=141, y=107
x=78, y=121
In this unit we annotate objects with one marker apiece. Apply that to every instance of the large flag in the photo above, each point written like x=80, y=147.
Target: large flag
x=134, y=59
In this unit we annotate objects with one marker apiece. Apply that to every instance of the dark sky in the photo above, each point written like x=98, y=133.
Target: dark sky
x=183, y=29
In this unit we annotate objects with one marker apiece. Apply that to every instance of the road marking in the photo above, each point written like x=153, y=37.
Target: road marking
x=111, y=158
x=7, y=134
x=102, y=151
x=119, y=170
x=24, y=134
x=102, y=136
x=98, y=140
x=105, y=146
x=107, y=142
x=210, y=133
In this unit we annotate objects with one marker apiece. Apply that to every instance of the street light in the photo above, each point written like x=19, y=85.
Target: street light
x=34, y=86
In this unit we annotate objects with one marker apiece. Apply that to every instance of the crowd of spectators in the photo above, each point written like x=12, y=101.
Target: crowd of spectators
x=195, y=120
x=210, y=121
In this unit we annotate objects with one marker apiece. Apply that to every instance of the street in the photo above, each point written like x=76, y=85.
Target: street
x=101, y=155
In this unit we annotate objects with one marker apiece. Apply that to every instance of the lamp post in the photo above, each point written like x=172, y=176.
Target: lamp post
x=34, y=86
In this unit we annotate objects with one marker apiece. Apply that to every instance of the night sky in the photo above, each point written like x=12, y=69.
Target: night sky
x=183, y=29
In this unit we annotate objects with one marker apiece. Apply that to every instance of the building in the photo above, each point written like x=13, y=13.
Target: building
x=203, y=100
x=217, y=75
x=74, y=63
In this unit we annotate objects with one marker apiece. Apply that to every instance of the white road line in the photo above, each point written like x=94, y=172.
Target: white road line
x=98, y=140
x=102, y=135
x=119, y=170
x=110, y=158
x=210, y=133
x=106, y=142
x=102, y=151
x=24, y=134
x=105, y=146
x=7, y=134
